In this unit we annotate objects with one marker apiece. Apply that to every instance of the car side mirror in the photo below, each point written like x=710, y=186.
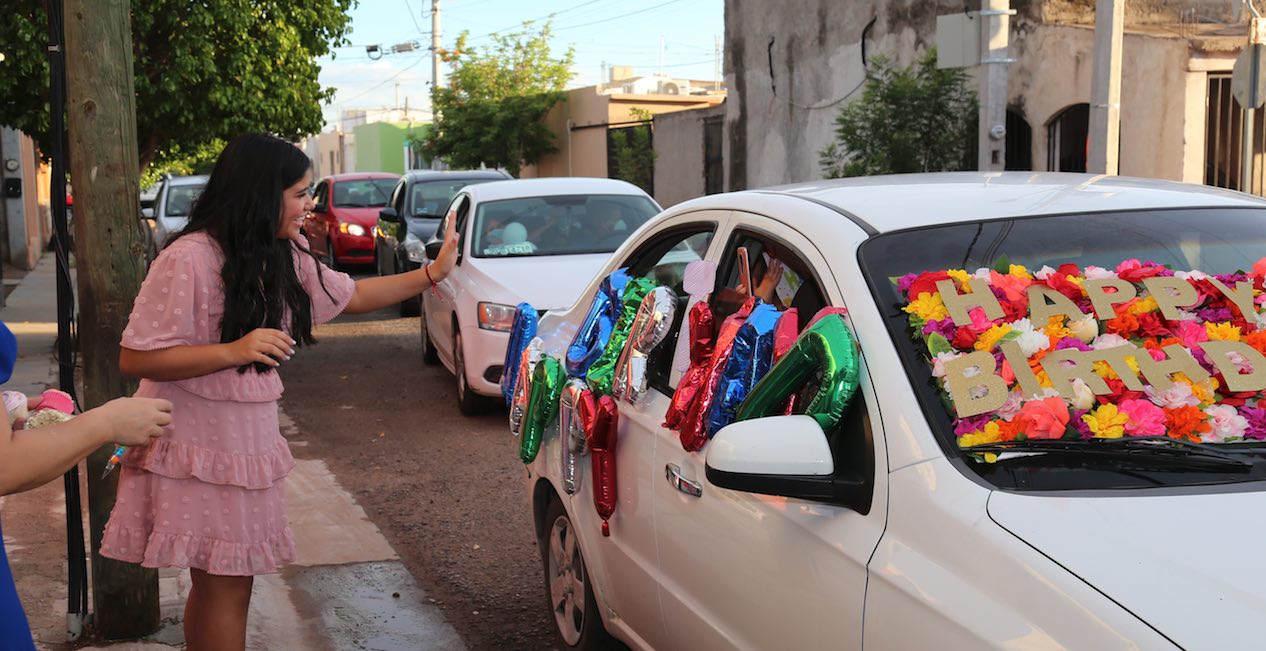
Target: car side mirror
x=389, y=215
x=147, y=213
x=433, y=249
x=782, y=455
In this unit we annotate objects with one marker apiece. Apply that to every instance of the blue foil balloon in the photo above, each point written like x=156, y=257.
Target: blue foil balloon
x=750, y=359
x=595, y=331
x=521, y=332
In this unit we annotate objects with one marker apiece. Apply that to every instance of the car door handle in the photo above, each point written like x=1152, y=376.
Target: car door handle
x=672, y=472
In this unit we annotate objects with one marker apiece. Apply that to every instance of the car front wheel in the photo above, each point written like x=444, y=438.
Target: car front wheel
x=469, y=402
x=430, y=356
x=571, y=600
x=329, y=254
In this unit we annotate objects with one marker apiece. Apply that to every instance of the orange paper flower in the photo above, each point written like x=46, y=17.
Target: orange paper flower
x=1186, y=422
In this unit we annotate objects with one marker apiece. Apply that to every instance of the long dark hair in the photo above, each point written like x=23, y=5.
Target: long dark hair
x=241, y=210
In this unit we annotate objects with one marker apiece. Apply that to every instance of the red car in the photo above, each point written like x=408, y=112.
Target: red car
x=340, y=228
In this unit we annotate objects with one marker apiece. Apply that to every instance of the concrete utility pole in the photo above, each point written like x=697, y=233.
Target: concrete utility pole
x=1105, y=89
x=995, y=30
x=110, y=265
x=435, y=49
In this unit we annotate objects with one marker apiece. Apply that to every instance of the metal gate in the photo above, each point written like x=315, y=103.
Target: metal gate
x=1224, y=139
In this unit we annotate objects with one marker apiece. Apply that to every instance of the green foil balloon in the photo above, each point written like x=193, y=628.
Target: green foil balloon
x=602, y=373
x=547, y=384
x=826, y=347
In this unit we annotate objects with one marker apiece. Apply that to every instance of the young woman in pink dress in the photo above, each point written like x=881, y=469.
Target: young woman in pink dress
x=224, y=304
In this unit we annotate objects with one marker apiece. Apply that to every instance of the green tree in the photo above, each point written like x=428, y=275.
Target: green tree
x=913, y=119
x=203, y=70
x=633, y=153
x=493, y=109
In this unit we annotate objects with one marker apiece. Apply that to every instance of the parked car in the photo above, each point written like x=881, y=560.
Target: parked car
x=170, y=211
x=417, y=203
x=943, y=505
x=535, y=240
x=340, y=226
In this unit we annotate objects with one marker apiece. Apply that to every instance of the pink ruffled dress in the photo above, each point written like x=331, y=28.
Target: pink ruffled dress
x=210, y=493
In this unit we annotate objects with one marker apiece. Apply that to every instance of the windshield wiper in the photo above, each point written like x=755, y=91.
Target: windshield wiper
x=1144, y=449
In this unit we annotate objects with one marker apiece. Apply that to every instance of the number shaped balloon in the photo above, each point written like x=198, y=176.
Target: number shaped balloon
x=650, y=327
x=785, y=334
x=571, y=428
x=547, y=383
x=522, y=331
x=826, y=347
x=528, y=360
x=600, y=432
x=750, y=357
x=701, y=326
x=595, y=331
x=601, y=375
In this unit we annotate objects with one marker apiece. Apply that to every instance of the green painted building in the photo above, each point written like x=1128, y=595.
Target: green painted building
x=384, y=146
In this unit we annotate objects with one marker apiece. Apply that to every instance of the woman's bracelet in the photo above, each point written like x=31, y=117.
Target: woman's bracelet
x=434, y=292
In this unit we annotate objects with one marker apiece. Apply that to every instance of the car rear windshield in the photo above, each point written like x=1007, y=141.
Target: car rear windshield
x=1039, y=347
x=180, y=199
x=430, y=198
x=557, y=225
x=363, y=193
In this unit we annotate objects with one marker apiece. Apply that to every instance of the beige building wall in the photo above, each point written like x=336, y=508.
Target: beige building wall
x=580, y=123
x=680, y=156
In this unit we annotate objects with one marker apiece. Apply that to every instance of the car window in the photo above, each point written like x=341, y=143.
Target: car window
x=776, y=274
x=664, y=259
x=180, y=199
x=362, y=193
x=429, y=198
x=557, y=225
x=321, y=196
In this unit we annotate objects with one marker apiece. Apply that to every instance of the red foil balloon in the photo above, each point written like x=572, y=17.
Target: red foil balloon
x=702, y=328
x=694, y=431
x=785, y=334
x=601, y=421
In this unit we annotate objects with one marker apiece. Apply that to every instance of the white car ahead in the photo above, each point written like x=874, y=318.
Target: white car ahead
x=530, y=240
x=1104, y=495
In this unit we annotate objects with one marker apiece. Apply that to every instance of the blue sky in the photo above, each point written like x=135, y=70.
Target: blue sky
x=617, y=32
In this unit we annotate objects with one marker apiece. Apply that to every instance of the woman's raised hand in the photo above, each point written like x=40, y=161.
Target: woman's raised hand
x=443, y=263
x=262, y=345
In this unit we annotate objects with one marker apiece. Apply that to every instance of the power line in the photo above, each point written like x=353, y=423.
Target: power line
x=412, y=16
x=631, y=13
x=549, y=15
x=385, y=81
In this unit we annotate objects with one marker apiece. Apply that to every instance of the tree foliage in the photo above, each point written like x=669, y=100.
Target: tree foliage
x=203, y=70
x=913, y=119
x=633, y=153
x=492, y=111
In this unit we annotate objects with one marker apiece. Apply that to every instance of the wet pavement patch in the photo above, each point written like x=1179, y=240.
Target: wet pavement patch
x=370, y=606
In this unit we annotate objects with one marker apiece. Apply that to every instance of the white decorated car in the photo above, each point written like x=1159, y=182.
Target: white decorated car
x=534, y=240
x=1027, y=417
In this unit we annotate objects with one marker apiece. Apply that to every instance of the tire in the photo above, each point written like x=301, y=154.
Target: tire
x=329, y=255
x=430, y=356
x=468, y=402
x=577, y=621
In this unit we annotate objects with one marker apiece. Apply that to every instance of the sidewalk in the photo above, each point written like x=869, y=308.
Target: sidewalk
x=347, y=588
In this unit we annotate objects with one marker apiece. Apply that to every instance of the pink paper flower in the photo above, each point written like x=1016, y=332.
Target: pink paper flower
x=1043, y=419
x=1146, y=419
x=1226, y=423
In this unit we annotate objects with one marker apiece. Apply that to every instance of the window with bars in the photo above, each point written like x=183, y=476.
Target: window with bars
x=1224, y=139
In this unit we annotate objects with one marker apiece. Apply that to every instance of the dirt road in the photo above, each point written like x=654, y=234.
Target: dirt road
x=446, y=490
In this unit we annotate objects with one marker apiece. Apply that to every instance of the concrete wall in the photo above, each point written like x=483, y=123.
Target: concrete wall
x=27, y=220
x=580, y=123
x=679, y=155
x=791, y=65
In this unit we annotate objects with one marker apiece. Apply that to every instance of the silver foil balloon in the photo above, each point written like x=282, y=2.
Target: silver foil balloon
x=650, y=327
x=523, y=384
x=571, y=432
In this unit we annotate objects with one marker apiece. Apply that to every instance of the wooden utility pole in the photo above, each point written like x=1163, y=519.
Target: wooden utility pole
x=1105, y=91
x=110, y=266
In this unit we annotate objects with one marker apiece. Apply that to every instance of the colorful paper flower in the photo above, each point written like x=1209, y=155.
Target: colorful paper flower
x=1145, y=418
x=1106, y=422
x=927, y=307
x=1225, y=423
x=1043, y=419
x=1186, y=423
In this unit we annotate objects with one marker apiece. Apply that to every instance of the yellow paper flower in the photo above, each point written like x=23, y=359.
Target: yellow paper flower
x=958, y=274
x=1222, y=331
x=1056, y=330
x=1144, y=305
x=1019, y=272
x=928, y=306
x=1104, y=370
x=990, y=338
x=1106, y=422
x=1203, y=391
x=990, y=434
x=1076, y=280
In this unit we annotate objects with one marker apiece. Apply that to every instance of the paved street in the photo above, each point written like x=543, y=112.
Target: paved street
x=445, y=490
